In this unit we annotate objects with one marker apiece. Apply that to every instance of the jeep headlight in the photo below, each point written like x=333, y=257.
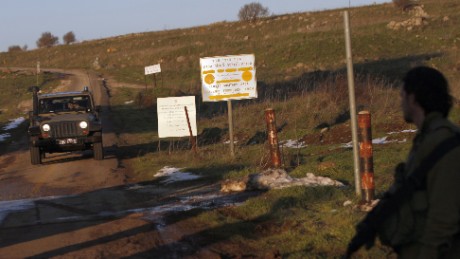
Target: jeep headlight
x=46, y=127
x=83, y=125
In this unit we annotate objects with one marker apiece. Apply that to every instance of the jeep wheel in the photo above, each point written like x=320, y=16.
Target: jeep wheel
x=35, y=155
x=98, y=151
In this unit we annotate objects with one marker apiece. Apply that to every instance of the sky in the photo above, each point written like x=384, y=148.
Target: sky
x=22, y=22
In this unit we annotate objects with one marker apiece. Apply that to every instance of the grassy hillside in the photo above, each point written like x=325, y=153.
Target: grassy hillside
x=286, y=47
x=300, y=60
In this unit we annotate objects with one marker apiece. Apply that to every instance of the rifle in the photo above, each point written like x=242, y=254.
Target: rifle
x=366, y=230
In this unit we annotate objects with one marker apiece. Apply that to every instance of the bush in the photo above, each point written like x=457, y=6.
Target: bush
x=14, y=48
x=47, y=40
x=405, y=4
x=251, y=12
x=69, y=38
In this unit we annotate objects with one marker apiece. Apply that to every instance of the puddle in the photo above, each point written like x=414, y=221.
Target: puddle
x=7, y=207
x=209, y=199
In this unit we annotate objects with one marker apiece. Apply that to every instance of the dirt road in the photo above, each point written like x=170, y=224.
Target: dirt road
x=73, y=206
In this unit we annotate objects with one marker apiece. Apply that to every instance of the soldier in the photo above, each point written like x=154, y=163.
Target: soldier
x=419, y=216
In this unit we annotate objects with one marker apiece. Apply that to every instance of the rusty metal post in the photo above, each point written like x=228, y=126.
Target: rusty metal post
x=272, y=138
x=192, y=139
x=366, y=156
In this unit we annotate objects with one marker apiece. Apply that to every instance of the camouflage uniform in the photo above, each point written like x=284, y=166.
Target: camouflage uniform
x=428, y=224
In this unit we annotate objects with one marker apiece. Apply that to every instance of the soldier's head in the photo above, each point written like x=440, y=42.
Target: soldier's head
x=429, y=88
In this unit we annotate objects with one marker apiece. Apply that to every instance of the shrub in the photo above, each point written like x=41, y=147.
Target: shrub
x=14, y=48
x=47, y=40
x=405, y=4
x=251, y=12
x=69, y=38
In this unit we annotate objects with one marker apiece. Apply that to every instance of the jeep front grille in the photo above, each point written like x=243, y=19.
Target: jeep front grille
x=65, y=129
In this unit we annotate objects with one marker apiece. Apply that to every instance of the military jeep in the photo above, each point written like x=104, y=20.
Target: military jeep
x=64, y=122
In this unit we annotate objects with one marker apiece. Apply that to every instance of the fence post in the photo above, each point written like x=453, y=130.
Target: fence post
x=230, y=128
x=366, y=156
x=272, y=138
x=192, y=139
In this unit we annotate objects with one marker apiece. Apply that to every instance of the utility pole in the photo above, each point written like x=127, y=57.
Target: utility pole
x=351, y=95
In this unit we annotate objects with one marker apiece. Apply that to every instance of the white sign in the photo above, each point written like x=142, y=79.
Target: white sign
x=153, y=69
x=172, y=121
x=228, y=78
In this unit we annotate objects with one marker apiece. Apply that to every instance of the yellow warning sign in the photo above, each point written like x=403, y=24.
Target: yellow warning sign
x=228, y=78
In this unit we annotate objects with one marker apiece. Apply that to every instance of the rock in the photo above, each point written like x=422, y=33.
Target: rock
x=233, y=186
x=326, y=165
x=419, y=18
x=96, y=64
x=180, y=59
x=366, y=207
x=347, y=203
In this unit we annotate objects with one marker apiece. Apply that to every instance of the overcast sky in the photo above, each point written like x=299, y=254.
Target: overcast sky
x=23, y=21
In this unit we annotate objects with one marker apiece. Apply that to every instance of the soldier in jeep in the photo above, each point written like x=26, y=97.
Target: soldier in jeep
x=62, y=122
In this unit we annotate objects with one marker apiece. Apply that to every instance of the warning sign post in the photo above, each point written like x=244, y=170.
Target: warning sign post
x=228, y=78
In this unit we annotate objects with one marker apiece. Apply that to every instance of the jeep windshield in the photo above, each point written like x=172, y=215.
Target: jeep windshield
x=65, y=104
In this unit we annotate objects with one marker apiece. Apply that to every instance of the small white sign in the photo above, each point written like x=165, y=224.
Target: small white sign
x=152, y=69
x=228, y=78
x=172, y=121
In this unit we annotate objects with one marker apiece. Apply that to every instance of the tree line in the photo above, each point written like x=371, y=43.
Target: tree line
x=47, y=40
x=248, y=13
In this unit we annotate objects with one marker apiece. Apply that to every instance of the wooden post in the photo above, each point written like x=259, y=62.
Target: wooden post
x=192, y=139
x=272, y=138
x=351, y=95
x=366, y=157
x=38, y=71
x=230, y=127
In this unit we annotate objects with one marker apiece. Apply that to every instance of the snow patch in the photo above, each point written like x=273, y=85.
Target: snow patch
x=278, y=178
x=11, y=125
x=402, y=131
x=290, y=143
x=173, y=174
x=14, y=123
x=228, y=142
x=376, y=141
x=4, y=136
x=383, y=140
